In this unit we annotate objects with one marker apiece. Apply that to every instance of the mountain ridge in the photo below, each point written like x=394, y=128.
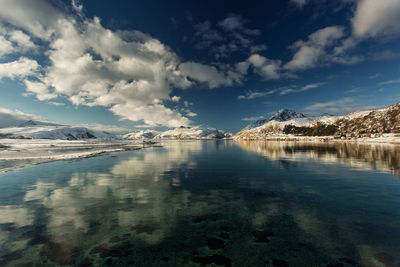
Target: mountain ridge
x=352, y=125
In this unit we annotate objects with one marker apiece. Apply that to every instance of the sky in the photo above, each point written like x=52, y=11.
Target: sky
x=130, y=65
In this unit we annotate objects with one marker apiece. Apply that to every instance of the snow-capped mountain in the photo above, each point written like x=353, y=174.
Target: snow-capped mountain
x=38, y=123
x=192, y=133
x=285, y=115
x=281, y=115
x=54, y=132
x=355, y=124
x=141, y=135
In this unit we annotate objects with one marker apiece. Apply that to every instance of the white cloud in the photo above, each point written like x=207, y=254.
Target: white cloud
x=354, y=91
x=40, y=90
x=282, y=91
x=390, y=82
x=210, y=74
x=253, y=95
x=107, y=128
x=175, y=98
x=6, y=46
x=14, y=41
x=18, y=69
x=315, y=49
x=37, y=17
x=253, y=118
x=128, y=72
x=22, y=40
x=10, y=117
x=335, y=106
x=191, y=114
x=265, y=67
x=53, y=103
x=375, y=18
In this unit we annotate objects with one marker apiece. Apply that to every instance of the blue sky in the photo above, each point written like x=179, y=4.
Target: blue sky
x=161, y=64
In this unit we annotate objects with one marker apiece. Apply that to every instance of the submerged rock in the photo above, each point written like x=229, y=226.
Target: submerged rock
x=142, y=228
x=217, y=259
x=279, y=263
x=262, y=236
x=215, y=243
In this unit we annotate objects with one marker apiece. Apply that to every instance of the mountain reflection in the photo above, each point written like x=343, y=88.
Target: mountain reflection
x=135, y=195
x=205, y=202
x=379, y=157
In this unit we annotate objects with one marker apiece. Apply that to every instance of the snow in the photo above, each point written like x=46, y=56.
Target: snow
x=273, y=128
x=20, y=152
x=54, y=132
x=192, y=133
x=141, y=135
x=286, y=114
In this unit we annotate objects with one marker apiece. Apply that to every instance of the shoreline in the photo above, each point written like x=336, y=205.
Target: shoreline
x=16, y=154
x=390, y=139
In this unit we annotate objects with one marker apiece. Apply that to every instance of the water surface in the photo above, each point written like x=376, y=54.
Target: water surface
x=195, y=203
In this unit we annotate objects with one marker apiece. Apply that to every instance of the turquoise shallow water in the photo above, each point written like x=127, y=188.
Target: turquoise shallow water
x=197, y=203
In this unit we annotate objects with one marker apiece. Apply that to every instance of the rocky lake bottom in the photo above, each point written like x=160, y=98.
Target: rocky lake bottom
x=207, y=203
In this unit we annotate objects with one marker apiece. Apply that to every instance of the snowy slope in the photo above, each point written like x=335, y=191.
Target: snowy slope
x=141, y=135
x=192, y=133
x=285, y=115
x=38, y=123
x=356, y=124
x=54, y=132
x=281, y=115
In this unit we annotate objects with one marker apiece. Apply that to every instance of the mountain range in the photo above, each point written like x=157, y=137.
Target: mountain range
x=284, y=123
x=370, y=123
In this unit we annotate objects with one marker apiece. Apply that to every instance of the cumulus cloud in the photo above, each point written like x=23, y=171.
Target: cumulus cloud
x=311, y=52
x=128, y=72
x=19, y=68
x=10, y=117
x=12, y=41
x=37, y=17
x=40, y=90
x=209, y=74
x=374, y=18
x=267, y=68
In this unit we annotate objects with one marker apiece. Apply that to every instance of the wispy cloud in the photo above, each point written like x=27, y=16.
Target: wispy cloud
x=10, y=117
x=253, y=95
x=389, y=82
x=282, y=91
x=253, y=118
x=354, y=91
x=335, y=106
x=107, y=128
x=228, y=35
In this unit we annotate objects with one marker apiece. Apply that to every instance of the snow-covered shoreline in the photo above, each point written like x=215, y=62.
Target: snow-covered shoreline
x=383, y=139
x=17, y=153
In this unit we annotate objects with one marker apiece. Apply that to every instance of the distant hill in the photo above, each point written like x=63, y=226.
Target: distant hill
x=53, y=132
x=37, y=123
x=356, y=124
x=179, y=133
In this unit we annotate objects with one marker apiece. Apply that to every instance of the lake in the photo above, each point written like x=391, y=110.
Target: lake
x=194, y=203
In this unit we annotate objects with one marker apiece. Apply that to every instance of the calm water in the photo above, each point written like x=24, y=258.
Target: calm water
x=207, y=202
